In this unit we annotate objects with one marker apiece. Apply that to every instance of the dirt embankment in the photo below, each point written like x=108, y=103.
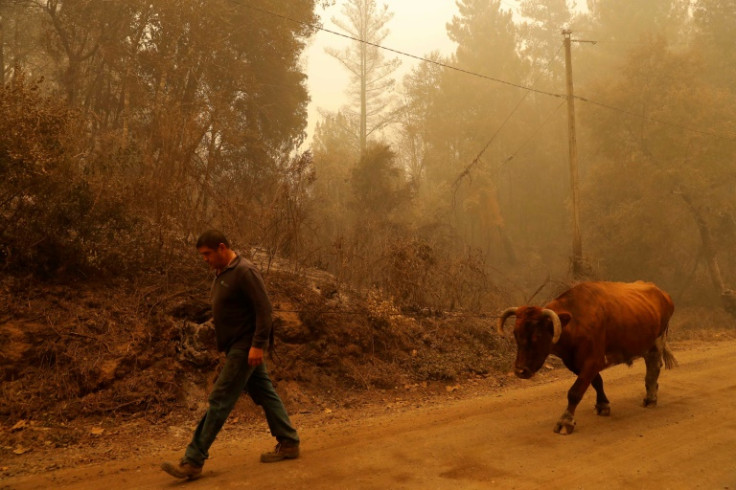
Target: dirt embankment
x=77, y=363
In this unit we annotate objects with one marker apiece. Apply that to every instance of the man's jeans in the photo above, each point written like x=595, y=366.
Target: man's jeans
x=236, y=376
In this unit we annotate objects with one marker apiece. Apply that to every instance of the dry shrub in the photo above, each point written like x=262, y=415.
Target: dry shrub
x=363, y=341
x=72, y=204
x=702, y=323
x=55, y=216
x=418, y=274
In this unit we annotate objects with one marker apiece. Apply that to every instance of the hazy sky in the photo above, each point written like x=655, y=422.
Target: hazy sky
x=418, y=27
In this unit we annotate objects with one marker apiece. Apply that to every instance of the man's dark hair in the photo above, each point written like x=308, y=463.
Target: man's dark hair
x=212, y=239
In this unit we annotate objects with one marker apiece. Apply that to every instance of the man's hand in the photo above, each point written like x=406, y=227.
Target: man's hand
x=255, y=356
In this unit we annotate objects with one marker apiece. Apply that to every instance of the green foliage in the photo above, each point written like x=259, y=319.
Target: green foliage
x=541, y=33
x=656, y=181
x=378, y=184
x=617, y=26
x=629, y=19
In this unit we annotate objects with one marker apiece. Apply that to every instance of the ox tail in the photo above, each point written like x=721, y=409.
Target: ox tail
x=669, y=359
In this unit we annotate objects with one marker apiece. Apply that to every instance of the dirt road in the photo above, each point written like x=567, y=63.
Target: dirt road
x=501, y=440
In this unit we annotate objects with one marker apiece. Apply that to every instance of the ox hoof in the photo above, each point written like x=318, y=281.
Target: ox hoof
x=650, y=403
x=565, y=427
x=603, y=409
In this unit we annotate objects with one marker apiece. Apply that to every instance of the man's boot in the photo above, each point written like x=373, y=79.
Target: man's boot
x=185, y=469
x=283, y=450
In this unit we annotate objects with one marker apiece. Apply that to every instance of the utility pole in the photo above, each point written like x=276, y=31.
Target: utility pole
x=577, y=242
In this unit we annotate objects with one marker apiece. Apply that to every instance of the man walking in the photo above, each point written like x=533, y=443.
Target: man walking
x=242, y=317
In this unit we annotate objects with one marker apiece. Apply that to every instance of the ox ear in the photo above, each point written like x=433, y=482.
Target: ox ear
x=565, y=318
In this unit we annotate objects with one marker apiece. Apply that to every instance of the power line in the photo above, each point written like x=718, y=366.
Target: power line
x=638, y=43
x=467, y=169
x=524, y=143
x=403, y=53
x=729, y=135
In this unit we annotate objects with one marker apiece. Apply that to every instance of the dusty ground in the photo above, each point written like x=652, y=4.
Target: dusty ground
x=479, y=434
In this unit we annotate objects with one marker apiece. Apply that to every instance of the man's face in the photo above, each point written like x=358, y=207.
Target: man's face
x=215, y=258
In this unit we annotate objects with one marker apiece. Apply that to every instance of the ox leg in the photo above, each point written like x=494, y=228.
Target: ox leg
x=566, y=424
x=602, y=406
x=653, y=360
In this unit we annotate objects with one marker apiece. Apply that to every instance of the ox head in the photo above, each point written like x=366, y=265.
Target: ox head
x=535, y=331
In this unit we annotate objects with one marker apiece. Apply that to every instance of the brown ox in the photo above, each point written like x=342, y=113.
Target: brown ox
x=590, y=327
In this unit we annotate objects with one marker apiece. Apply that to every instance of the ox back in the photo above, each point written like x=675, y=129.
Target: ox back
x=623, y=319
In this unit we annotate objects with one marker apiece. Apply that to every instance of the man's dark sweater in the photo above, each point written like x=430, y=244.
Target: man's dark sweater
x=240, y=307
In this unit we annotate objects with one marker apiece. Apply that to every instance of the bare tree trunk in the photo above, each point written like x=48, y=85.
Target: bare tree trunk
x=126, y=107
x=212, y=151
x=709, y=251
x=363, y=75
x=728, y=296
x=2, y=51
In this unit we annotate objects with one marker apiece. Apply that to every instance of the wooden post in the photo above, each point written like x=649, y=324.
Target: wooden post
x=577, y=243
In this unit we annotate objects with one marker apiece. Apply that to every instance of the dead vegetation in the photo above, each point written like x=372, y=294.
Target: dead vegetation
x=75, y=355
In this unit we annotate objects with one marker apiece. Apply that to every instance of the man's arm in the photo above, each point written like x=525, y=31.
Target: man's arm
x=254, y=288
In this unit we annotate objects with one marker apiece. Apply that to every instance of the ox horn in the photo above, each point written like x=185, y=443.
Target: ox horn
x=506, y=313
x=555, y=323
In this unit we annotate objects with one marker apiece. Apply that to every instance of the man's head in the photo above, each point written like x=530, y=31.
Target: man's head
x=214, y=248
